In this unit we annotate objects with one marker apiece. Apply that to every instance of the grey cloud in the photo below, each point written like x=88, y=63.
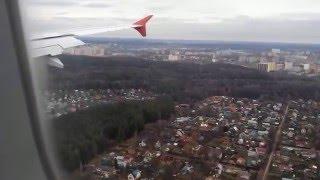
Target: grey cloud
x=159, y=8
x=94, y=20
x=97, y=5
x=61, y=13
x=54, y=2
x=85, y=3
x=290, y=27
x=238, y=29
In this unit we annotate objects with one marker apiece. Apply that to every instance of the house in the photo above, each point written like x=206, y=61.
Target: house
x=120, y=161
x=188, y=168
x=182, y=119
x=252, y=153
x=263, y=133
x=241, y=161
x=261, y=151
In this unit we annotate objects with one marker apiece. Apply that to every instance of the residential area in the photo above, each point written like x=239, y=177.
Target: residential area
x=297, y=156
x=218, y=138
x=61, y=102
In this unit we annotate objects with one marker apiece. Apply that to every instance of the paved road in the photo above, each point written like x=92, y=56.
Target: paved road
x=274, y=146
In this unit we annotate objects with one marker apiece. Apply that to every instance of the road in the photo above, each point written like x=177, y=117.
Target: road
x=274, y=145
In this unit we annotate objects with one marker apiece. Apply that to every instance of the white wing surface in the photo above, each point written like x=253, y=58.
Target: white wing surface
x=50, y=45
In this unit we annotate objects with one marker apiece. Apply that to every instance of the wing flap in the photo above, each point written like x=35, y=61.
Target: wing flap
x=53, y=61
x=53, y=46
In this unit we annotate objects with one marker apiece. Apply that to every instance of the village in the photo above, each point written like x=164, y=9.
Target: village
x=62, y=102
x=217, y=138
x=297, y=155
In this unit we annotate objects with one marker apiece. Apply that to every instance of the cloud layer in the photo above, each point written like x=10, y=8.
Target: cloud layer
x=241, y=20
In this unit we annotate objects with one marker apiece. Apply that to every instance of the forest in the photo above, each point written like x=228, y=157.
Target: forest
x=184, y=82
x=82, y=135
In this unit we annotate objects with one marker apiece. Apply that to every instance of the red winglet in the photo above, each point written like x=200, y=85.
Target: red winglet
x=141, y=25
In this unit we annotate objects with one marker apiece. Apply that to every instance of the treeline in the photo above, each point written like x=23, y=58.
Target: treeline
x=80, y=136
x=183, y=81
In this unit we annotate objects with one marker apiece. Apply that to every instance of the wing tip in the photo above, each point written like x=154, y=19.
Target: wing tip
x=143, y=21
x=140, y=25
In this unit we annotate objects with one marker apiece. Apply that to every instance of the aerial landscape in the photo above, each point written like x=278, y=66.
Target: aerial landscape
x=160, y=89
x=170, y=109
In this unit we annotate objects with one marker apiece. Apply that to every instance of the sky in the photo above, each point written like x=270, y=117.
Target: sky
x=225, y=20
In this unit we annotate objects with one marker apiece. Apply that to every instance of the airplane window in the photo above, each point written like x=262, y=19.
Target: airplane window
x=187, y=89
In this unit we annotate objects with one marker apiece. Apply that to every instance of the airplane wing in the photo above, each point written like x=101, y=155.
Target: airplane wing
x=50, y=45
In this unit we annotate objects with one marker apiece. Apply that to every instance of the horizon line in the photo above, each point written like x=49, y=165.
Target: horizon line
x=201, y=40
